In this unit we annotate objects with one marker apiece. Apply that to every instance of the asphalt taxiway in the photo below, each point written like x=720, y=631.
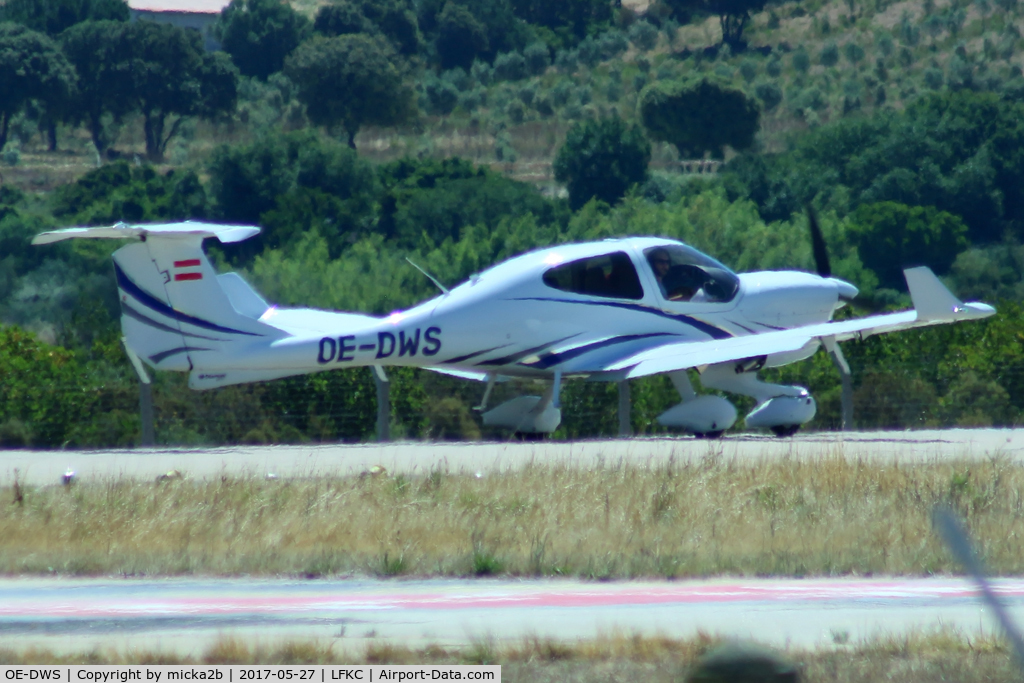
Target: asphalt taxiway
x=187, y=615
x=46, y=467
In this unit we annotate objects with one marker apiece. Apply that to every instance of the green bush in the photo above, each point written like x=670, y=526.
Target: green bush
x=510, y=66
x=829, y=54
x=440, y=96
x=122, y=192
x=537, y=57
x=644, y=35
x=602, y=159
x=892, y=236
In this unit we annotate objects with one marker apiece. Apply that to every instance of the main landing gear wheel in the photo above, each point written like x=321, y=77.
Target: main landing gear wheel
x=783, y=431
x=531, y=437
x=716, y=434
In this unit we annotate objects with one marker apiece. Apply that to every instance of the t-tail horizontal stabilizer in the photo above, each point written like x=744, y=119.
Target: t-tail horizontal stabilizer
x=225, y=233
x=933, y=302
x=177, y=313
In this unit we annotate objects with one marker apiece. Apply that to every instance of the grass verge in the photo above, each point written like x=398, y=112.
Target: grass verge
x=912, y=658
x=830, y=516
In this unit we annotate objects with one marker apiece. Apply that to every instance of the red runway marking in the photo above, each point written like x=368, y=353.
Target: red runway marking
x=222, y=601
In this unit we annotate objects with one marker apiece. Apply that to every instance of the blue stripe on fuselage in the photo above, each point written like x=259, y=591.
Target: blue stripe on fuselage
x=706, y=328
x=548, y=360
x=160, y=307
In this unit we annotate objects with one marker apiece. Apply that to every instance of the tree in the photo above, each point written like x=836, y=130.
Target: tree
x=460, y=37
x=699, y=117
x=733, y=15
x=569, y=21
x=396, y=21
x=602, y=159
x=961, y=152
x=504, y=31
x=341, y=18
x=891, y=236
x=97, y=50
x=291, y=184
x=351, y=81
x=393, y=19
x=32, y=67
x=173, y=75
x=55, y=16
x=260, y=34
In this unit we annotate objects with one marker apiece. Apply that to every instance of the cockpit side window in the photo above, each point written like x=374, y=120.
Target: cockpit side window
x=685, y=274
x=609, y=275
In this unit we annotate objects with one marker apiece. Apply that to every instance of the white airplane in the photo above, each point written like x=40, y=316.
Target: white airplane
x=601, y=311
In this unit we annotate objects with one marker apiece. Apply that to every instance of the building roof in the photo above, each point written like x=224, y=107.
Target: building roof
x=183, y=6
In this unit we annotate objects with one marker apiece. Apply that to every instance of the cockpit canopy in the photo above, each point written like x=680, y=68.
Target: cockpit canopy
x=608, y=275
x=685, y=274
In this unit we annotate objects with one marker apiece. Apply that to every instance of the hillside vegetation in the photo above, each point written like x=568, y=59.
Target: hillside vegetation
x=359, y=133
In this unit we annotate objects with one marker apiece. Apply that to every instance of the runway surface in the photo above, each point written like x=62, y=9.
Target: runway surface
x=46, y=467
x=187, y=616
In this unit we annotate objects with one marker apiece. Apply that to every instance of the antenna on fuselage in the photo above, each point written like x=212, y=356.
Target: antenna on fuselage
x=429, y=276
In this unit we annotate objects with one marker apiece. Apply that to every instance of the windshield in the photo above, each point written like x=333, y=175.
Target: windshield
x=685, y=274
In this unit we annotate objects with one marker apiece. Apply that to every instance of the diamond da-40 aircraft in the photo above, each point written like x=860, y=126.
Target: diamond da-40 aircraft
x=601, y=311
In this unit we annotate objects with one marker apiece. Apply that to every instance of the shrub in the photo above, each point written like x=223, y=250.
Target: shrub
x=458, y=78
x=538, y=57
x=441, y=96
x=933, y=78
x=643, y=35
x=543, y=106
x=614, y=92
x=561, y=93
x=510, y=66
x=769, y=93
x=515, y=111
x=567, y=60
x=481, y=72
x=800, y=60
x=473, y=99
x=748, y=69
x=854, y=52
x=829, y=54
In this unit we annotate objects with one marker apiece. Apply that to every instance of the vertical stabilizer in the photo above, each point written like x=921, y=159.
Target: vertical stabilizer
x=176, y=313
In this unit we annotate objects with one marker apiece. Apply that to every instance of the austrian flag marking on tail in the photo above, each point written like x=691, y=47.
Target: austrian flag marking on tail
x=189, y=275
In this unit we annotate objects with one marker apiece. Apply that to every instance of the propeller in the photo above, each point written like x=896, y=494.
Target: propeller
x=824, y=268
x=818, y=247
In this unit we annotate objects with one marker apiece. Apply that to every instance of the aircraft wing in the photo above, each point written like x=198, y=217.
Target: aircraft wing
x=933, y=305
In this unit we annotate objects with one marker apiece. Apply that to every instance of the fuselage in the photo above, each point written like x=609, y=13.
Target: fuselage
x=570, y=309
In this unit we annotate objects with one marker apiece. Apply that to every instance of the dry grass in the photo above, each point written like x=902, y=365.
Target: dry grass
x=914, y=658
x=830, y=516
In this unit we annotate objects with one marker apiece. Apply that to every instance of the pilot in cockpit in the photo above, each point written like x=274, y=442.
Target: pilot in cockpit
x=680, y=282
x=660, y=264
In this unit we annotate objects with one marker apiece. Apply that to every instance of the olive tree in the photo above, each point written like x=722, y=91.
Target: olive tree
x=173, y=76
x=351, y=81
x=32, y=67
x=602, y=159
x=699, y=117
x=260, y=34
